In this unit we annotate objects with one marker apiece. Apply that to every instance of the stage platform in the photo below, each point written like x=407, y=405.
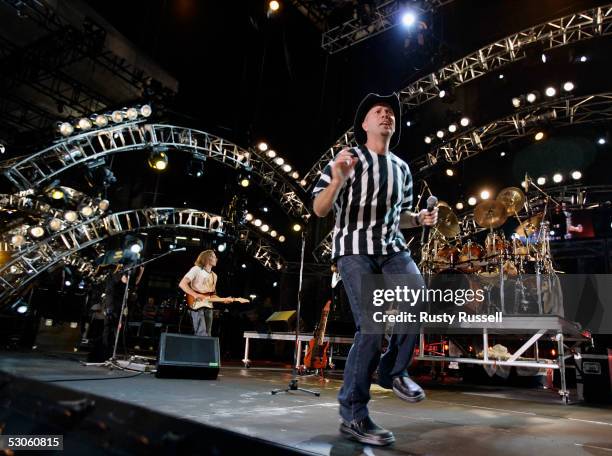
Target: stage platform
x=453, y=419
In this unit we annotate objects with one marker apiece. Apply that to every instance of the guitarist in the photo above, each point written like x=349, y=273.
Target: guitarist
x=201, y=283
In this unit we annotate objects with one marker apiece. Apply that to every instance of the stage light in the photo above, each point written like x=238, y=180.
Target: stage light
x=84, y=123
x=464, y=121
x=516, y=102
x=37, y=231
x=103, y=205
x=472, y=201
x=539, y=136
x=553, y=352
x=100, y=120
x=271, y=153
x=442, y=93
x=408, y=19
x=248, y=217
x=452, y=128
x=273, y=233
x=158, y=159
x=81, y=286
x=543, y=57
x=222, y=247
x=583, y=58
x=117, y=116
x=297, y=227
x=501, y=76
x=541, y=180
x=274, y=284
x=576, y=175
x=22, y=309
x=195, y=168
x=57, y=194
x=550, y=91
x=601, y=141
x=87, y=210
x=244, y=181
x=274, y=6
x=265, y=228
x=55, y=224
x=524, y=185
x=450, y=172
x=279, y=161
x=18, y=240
x=265, y=209
x=440, y=134
x=531, y=97
x=295, y=174
x=408, y=123
x=427, y=140
x=568, y=86
x=66, y=128
x=262, y=146
x=131, y=114
x=485, y=194
x=303, y=182
x=136, y=247
x=287, y=168
x=71, y=216
x=557, y=178
x=146, y=110
x=281, y=238
x=2, y=148
x=243, y=266
x=257, y=222
x=502, y=154
x=459, y=205
x=68, y=283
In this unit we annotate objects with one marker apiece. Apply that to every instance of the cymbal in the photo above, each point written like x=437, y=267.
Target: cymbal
x=448, y=224
x=529, y=226
x=490, y=214
x=512, y=198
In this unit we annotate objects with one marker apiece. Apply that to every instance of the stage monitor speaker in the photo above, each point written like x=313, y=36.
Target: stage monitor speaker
x=184, y=356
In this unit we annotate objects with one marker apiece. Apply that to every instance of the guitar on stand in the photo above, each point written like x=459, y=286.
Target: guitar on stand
x=317, y=352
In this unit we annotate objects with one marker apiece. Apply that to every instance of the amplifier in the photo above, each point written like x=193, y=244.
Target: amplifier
x=186, y=356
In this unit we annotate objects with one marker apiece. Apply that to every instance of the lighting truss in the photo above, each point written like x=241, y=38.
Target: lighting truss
x=261, y=249
x=559, y=32
x=322, y=252
x=35, y=170
x=385, y=16
x=525, y=122
x=27, y=263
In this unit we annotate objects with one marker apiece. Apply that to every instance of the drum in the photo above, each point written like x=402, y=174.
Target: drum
x=495, y=245
x=519, y=248
x=446, y=257
x=470, y=257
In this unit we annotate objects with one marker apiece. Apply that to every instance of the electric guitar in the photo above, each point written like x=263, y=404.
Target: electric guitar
x=197, y=303
x=316, y=356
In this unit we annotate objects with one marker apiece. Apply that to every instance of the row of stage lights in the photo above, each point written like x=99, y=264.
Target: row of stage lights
x=535, y=95
x=102, y=120
x=485, y=194
x=264, y=227
x=280, y=162
x=452, y=128
x=55, y=223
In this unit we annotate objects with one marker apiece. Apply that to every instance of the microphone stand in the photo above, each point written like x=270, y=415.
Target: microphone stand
x=293, y=383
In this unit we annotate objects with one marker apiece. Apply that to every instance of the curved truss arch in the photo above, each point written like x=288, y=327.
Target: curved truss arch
x=26, y=264
x=563, y=31
x=40, y=168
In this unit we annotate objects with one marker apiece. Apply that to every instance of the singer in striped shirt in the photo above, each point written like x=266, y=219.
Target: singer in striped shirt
x=370, y=191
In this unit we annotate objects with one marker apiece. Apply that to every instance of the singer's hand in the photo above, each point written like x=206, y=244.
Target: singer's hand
x=343, y=165
x=427, y=218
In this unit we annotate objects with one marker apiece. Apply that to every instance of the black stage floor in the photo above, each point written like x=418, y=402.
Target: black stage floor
x=452, y=420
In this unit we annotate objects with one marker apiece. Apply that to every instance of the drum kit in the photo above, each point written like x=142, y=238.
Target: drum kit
x=454, y=248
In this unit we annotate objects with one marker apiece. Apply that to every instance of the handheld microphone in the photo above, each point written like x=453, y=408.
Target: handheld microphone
x=431, y=204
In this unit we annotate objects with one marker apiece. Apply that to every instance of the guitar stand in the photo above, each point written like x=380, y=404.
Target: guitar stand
x=294, y=386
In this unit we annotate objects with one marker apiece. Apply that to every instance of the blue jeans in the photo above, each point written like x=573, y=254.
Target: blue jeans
x=202, y=321
x=364, y=356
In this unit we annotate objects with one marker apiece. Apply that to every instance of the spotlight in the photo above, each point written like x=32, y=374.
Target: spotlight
x=281, y=238
x=502, y=154
x=117, y=116
x=501, y=76
x=408, y=19
x=248, y=217
x=55, y=224
x=100, y=120
x=568, y=86
x=583, y=58
x=531, y=97
x=68, y=282
x=287, y=168
x=303, y=182
x=442, y=93
x=524, y=185
x=81, y=286
x=86, y=210
x=271, y=153
x=275, y=284
x=576, y=175
x=543, y=57
x=485, y=194
x=66, y=128
x=464, y=121
x=57, y=194
x=84, y=123
x=18, y=240
x=274, y=6
x=37, y=231
x=550, y=91
x=516, y=102
x=195, y=168
x=265, y=228
x=539, y=135
x=222, y=247
x=450, y=172
x=158, y=159
x=295, y=174
x=103, y=205
x=273, y=233
x=601, y=141
x=243, y=266
x=131, y=114
x=257, y=222
x=22, y=309
x=541, y=180
x=279, y=161
x=440, y=134
x=472, y=201
x=146, y=111
x=452, y=128
x=262, y=146
x=70, y=216
x=408, y=123
x=459, y=205
x=244, y=181
x=297, y=227
x=427, y=139
x=557, y=178
x=136, y=247
x=265, y=209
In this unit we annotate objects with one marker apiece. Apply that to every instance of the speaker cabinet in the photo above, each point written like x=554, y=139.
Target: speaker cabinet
x=185, y=356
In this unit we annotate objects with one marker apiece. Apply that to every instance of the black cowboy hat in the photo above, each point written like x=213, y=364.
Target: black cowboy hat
x=366, y=104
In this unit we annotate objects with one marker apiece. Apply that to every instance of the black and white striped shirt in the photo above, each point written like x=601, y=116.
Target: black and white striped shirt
x=369, y=204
